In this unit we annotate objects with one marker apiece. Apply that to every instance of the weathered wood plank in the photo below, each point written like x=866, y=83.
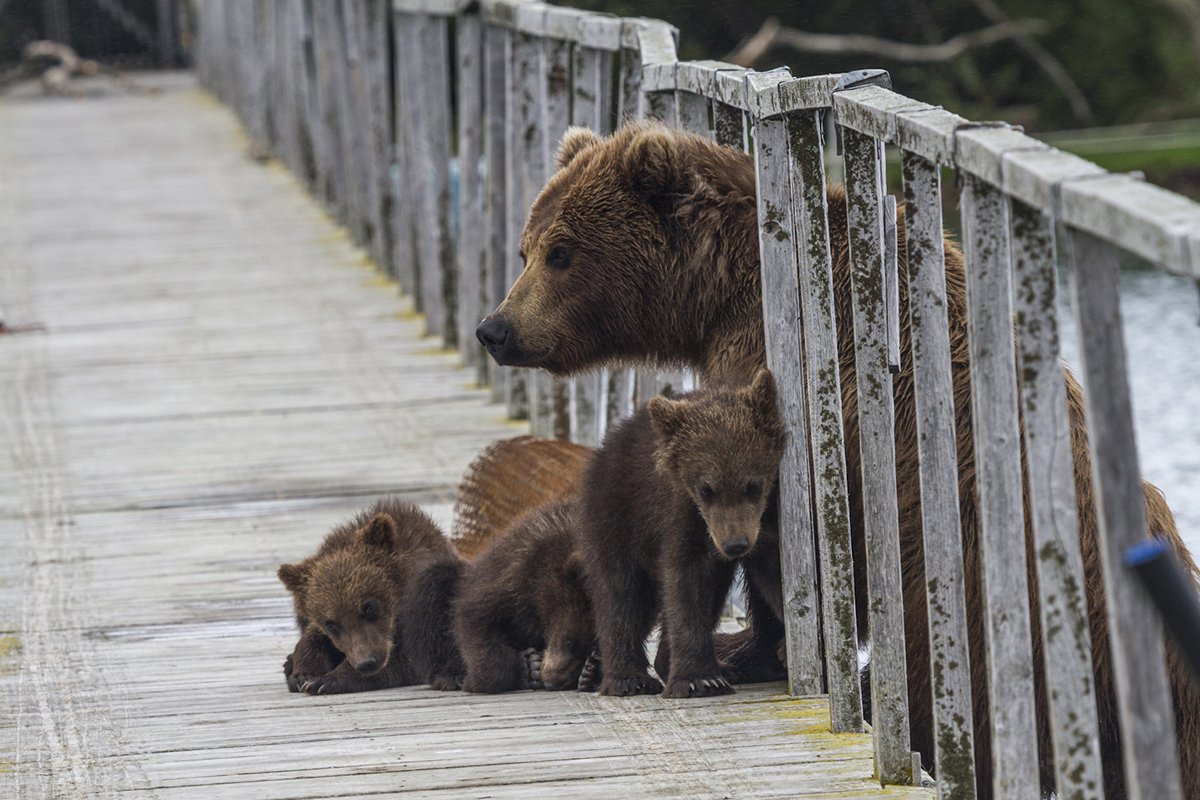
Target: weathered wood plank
x=889, y=688
x=1143, y=693
x=937, y=453
x=781, y=313
x=496, y=63
x=521, y=134
x=472, y=271
x=1067, y=650
x=827, y=449
x=998, y=465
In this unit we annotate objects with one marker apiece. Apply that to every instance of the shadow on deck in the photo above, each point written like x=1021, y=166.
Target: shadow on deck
x=222, y=378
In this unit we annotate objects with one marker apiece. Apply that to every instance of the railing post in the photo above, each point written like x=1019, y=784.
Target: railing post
x=496, y=63
x=777, y=235
x=1143, y=692
x=937, y=453
x=472, y=272
x=889, y=685
x=826, y=445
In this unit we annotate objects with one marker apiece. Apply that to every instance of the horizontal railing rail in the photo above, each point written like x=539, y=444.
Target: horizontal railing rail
x=433, y=164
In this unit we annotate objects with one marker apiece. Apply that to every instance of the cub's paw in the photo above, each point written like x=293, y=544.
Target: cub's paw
x=697, y=687
x=591, y=675
x=532, y=677
x=447, y=683
x=627, y=685
x=330, y=684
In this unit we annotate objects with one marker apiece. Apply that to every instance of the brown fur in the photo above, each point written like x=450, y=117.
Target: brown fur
x=350, y=601
x=526, y=591
x=652, y=215
x=676, y=495
x=507, y=479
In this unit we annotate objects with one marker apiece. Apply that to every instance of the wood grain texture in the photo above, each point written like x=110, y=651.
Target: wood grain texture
x=472, y=273
x=998, y=460
x=937, y=453
x=781, y=312
x=222, y=380
x=827, y=448
x=496, y=59
x=1143, y=693
x=889, y=687
x=1067, y=651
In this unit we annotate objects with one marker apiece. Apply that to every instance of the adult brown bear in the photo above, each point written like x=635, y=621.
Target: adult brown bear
x=644, y=247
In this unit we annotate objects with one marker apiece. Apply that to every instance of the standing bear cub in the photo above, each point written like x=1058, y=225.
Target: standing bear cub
x=677, y=494
x=525, y=592
x=358, y=596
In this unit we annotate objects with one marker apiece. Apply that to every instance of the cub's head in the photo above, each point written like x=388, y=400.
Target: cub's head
x=570, y=635
x=723, y=447
x=601, y=248
x=351, y=594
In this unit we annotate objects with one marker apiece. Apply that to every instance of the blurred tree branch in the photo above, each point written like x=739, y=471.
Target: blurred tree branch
x=773, y=34
x=1050, y=65
x=1189, y=12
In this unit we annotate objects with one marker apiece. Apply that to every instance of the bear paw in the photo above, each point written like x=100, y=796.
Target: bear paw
x=532, y=679
x=627, y=685
x=447, y=683
x=697, y=687
x=591, y=674
x=328, y=684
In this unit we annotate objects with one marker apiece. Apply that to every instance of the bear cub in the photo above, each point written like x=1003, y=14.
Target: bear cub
x=355, y=600
x=674, y=498
x=526, y=591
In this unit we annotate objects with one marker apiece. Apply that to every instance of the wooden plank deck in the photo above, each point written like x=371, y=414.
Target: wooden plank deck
x=222, y=378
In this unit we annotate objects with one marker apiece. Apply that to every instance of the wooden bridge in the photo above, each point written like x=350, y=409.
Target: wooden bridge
x=221, y=377
x=206, y=372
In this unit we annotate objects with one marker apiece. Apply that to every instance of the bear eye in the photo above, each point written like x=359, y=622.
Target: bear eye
x=332, y=628
x=706, y=492
x=370, y=611
x=559, y=257
x=753, y=490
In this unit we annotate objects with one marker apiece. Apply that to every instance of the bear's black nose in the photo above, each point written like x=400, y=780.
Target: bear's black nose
x=493, y=333
x=366, y=666
x=736, y=548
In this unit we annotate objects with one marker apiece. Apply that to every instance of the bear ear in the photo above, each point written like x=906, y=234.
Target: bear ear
x=381, y=532
x=294, y=576
x=572, y=567
x=652, y=163
x=574, y=141
x=667, y=417
x=763, y=398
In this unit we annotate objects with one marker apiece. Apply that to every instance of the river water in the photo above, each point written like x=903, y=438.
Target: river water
x=1162, y=337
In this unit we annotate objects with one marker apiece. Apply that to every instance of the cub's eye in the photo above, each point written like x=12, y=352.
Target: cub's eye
x=753, y=490
x=559, y=257
x=707, y=493
x=370, y=611
x=332, y=628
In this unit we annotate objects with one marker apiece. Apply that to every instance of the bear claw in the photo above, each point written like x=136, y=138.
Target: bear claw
x=630, y=685
x=591, y=675
x=697, y=687
x=532, y=679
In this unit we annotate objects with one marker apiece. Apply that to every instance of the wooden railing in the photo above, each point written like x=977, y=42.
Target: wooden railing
x=362, y=101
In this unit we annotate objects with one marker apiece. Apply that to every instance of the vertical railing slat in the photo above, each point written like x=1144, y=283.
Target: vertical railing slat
x=889, y=688
x=468, y=31
x=781, y=316
x=998, y=466
x=692, y=113
x=406, y=208
x=591, y=107
x=1067, y=648
x=524, y=61
x=496, y=64
x=1144, y=696
x=937, y=452
x=556, y=117
x=826, y=435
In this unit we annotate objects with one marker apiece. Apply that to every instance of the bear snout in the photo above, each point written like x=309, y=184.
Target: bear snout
x=496, y=335
x=366, y=666
x=736, y=548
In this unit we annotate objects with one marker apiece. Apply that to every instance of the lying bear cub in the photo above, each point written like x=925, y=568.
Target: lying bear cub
x=373, y=605
x=525, y=593
x=677, y=494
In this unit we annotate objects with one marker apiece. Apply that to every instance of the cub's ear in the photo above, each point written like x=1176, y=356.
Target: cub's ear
x=294, y=576
x=380, y=532
x=667, y=416
x=763, y=399
x=574, y=141
x=653, y=162
x=572, y=567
